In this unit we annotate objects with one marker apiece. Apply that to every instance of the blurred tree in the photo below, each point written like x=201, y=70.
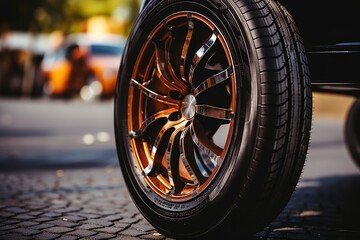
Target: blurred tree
x=65, y=15
x=18, y=14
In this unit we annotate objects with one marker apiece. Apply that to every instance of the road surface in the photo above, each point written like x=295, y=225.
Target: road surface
x=60, y=179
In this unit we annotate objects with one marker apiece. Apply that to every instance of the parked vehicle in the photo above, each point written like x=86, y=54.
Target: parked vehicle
x=85, y=65
x=213, y=107
x=20, y=56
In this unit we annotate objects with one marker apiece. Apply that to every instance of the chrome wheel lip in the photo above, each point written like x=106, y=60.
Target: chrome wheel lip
x=187, y=108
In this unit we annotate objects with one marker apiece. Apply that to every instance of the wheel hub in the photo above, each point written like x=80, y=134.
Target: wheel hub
x=188, y=106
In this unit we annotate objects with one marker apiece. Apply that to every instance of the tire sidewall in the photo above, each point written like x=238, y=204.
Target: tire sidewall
x=216, y=202
x=351, y=131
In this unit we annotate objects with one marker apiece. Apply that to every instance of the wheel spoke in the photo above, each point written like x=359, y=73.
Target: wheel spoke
x=187, y=156
x=153, y=119
x=199, y=55
x=185, y=49
x=214, y=80
x=203, y=142
x=214, y=112
x=164, y=69
x=159, y=147
x=172, y=160
x=155, y=96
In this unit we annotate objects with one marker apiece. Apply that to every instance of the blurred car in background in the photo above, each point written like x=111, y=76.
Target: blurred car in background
x=20, y=56
x=84, y=65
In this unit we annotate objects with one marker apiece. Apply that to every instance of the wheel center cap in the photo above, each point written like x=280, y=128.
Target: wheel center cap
x=188, y=106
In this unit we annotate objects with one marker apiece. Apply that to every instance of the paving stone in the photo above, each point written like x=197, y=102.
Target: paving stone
x=6, y=214
x=124, y=237
x=110, y=230
x=67, y=237
x=87, y=215
x=153, y=235
x=36, y=206
x=14, y=236
x=99, y=222
x=62, y=223
x=16, y=210
x=10, y=221
x=112, y=218
x=26, y=231
x=35, y=213
x=89, y=226
x=83, y=233
x=59, y=229
x=46, y=236
x=143, y=227
x=24, y=217
x=101, y=236
x=43, y=219
x=132, y=232
x=67, y=210
x=121, y=226
x=73, y=218
x=129, y=220
x=87, y=205
x=27, y=224
x=7, y=227
x=51, y=214
x=42, y=226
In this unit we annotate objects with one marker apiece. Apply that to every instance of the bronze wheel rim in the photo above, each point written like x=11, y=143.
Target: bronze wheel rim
x=181, y=107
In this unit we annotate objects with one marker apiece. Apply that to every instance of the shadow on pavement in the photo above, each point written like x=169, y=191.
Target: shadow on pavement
x=321, y=208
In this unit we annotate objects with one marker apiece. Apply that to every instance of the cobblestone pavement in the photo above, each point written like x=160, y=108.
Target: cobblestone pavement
x=69, y=204
x=93, y=203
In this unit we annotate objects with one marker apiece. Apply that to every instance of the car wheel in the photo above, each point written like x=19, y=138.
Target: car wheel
x=212, y=115
x=352, y=132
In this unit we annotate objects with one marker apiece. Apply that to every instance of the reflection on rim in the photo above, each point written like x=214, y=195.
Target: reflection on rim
x=182, y=101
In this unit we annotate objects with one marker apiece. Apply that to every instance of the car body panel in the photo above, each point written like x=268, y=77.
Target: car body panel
x=331, y=36
x=325, y=23
x=105, y=69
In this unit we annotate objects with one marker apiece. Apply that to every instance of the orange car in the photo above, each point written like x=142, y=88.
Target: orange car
x=84, y=66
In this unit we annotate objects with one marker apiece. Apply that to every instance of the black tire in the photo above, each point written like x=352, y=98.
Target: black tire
x=190, y=70
x=352, y=132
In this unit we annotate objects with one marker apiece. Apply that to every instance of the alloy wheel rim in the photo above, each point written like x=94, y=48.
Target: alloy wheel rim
x=181, y=107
